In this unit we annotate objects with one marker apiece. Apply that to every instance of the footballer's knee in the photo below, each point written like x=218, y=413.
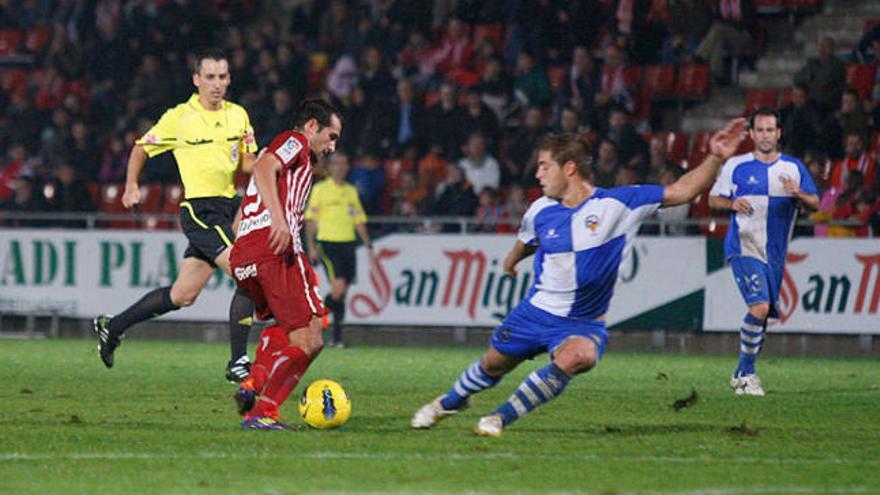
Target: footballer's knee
x=183, y=297
x=760, y=310
x=578, y=355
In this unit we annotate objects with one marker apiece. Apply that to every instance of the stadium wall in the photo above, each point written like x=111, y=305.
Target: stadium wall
x=667, y=284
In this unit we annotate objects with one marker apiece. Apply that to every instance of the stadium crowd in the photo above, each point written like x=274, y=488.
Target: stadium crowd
x=443, y=100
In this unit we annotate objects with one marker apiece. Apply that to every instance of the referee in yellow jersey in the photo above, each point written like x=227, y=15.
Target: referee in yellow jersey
x=333, y=216
x=210, y=138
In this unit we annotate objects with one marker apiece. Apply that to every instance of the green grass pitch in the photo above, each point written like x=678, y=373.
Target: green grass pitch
x=157, y=424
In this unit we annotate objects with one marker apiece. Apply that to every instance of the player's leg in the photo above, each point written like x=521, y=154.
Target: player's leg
x=272, y=340
x=289, y=366
x=753, y=281
x=241, y=318
x=191, y=279
x=482, y=374
x=336, y=304
x=574, y=354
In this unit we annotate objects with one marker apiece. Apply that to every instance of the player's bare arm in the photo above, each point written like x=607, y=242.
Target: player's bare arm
x=248, y=160
x=739, y=205
x=791, y=186
x=265, y=171
x=132, y=195
x=722, y=146
x=519, y=252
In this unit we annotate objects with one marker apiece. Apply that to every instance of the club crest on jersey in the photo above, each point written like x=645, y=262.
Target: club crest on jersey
x=592, y=222
x=289, y=149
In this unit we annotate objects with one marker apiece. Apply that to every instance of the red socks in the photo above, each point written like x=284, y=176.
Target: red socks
x=289, y=366
x=272, y=340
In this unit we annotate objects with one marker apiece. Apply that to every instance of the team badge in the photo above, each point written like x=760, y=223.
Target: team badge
x=592, y=222
x=287, y=151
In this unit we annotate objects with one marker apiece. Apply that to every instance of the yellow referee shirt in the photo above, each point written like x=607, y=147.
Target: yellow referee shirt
x=336, y=209
x=208, y=145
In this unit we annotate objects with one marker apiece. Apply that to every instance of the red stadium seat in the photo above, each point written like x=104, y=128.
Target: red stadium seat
x=14, y=81
x=757, y=98
x=110, y=201
x=785, y=97
x=171, y=204
x=494, y=33
x=151, y=202
x=557, y=76
x=699, y=149
x=658, y=81
x=677, y=147
x=874, y=145
x=692, y=82
x=632, y=75
x=37, y=38
x=9, y=40
x=861, y=77
x=869, y=23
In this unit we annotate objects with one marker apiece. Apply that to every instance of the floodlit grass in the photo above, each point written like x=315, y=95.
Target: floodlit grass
x=162, y=421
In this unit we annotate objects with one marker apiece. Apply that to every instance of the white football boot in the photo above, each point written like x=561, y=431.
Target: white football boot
x=747, y=385
x=490, y=426
x=431, y=413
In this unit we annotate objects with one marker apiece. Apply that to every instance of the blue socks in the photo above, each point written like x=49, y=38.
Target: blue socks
x=539, y=387
x=751, y=336
x=471, y=381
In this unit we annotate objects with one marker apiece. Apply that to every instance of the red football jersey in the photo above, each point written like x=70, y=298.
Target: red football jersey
x=294, y=182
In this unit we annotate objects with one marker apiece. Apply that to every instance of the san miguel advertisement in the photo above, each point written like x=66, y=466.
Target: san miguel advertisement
x=829, y=286
x=455, y=280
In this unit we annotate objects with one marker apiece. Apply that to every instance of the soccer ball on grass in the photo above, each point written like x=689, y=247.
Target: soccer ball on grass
x=324, y=404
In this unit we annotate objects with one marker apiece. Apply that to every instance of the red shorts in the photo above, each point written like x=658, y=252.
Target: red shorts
x=285, y=288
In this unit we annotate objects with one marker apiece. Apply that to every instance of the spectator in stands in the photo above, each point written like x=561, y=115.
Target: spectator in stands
x=606, y=164
x=490, y=213
x=409, y=200
x=627, y=176
x=445, y=119
x=12, y=167
x=631, y=147
x=453, y=58
x=689, y=20
x=517, y=203
x=343, y=78
x=358, y=121
x=27, y=119
x=455, y=197
x=407, y=117
x=115, y=161
x=55, y=137
x=368, y=176
x=69, y=194
x=613, y=88
x=658, y=161
x=569, y=121
x=336, y=26
x=81, y=151
x=477, y=117
x=376, y=79
x=801, y=122
x=432, y=169
x=151, y=86
x=732, y=26
x=520, y=146
x=412, y=57
x=867, y=51
x=650, y=22
x=861, y=208
x=496, y=87
x=579, y=90
x=857, y=158
x=673, y=215
x=851, y=118
x=277, y=119
x=530, y=82
x=27, y=198
x=480, y=168
x=825, y=75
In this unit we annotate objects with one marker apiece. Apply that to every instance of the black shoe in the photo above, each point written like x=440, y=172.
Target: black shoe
x=107, y=343
x=239, y=369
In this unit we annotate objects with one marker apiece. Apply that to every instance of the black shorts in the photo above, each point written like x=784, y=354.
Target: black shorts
x=339, y=259
x=207, y=224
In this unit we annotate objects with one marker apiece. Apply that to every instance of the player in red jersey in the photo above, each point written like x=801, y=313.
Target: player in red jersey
x=269, y=263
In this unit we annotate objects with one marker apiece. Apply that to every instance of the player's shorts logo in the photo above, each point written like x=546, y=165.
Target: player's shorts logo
x=504, y=334
x=245, y=272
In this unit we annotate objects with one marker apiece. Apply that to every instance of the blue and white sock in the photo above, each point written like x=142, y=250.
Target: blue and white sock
x=539, y=387
x=474, y=379
x=751, y=336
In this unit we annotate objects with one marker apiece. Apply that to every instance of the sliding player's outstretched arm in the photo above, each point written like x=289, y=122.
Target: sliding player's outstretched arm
x=722, y=146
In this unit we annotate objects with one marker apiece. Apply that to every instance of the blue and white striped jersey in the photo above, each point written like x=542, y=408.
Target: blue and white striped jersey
x=764, y=234
x=580, y=249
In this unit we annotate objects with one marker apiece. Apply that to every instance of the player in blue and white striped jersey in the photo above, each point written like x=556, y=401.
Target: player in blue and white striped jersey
x=762, y=190
x=579, y=234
